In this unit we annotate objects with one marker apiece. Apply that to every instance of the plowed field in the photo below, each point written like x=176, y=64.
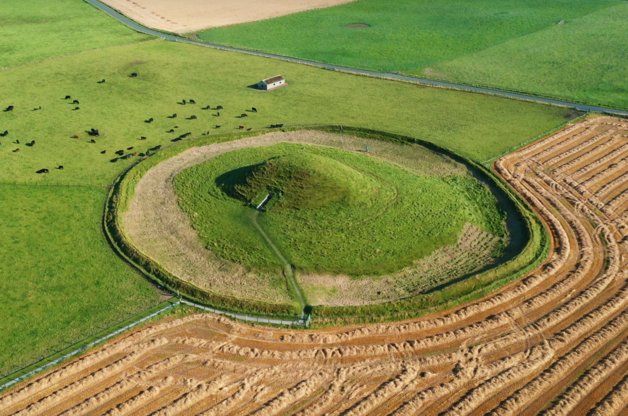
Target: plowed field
x=554, y=341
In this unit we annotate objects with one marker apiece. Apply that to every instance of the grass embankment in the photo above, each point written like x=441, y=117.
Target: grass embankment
x=40, y=29
x=60, y=280
x=477, y=125
x=498, y=43
x=340, y=212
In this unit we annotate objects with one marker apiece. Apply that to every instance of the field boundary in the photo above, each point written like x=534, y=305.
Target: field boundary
x=355, y=71
x=535, y=248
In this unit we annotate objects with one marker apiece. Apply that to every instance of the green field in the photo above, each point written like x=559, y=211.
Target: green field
x=500, y=43
x=340, y=212
x=59, y=229
x=41, y=29
x=60, y=280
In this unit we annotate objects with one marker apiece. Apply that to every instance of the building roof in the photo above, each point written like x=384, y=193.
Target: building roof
x=273, y=80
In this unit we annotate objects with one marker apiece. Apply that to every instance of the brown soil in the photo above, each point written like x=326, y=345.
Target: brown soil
x=554, y=340
x=184, y=16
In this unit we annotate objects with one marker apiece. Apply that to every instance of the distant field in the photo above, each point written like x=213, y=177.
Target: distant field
x=39, y=29
x=60, y=280
x=503, y=43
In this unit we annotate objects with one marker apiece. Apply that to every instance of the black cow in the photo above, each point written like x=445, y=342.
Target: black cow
x=157, y=147
x=102, y=81
x=92, y=141
x=17, y=141
x=9, y=108
x=178, y=139
x=218, y=114
x=170, y=131
x=206, y=108
x=150, y=120
x=134, y=75
x=38, y=108
x=174, y=115
x=43, y=171
x=219, y=107
x=6, y=133
x=120, y=152
x=129, y=148
x=67, y=97
x=76, y=108
x=142, y=138
x=103, y=152
x=31, y=144
x=217, y=127
x=254, y=110
x=60, y=167
x=192, y=117
x=75, y=102
x=249, y=129
x=114, y=160
x=243, y=115
x=184, y=102
x=94, y=132
x=192, y=101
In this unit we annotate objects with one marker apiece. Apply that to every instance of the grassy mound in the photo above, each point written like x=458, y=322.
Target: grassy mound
x=340, y=213
x=304, y=181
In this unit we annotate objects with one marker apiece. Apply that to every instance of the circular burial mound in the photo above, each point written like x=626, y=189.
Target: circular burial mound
x=358, y=26
x=357, y=227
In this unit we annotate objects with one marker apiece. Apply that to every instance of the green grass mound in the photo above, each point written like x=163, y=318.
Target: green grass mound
x=302, y=181
x=341, y=212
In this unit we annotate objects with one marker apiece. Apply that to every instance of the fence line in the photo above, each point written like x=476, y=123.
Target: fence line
x=83, y=348
x=296, y=321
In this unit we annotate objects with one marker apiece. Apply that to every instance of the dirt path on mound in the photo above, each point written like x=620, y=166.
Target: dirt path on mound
x=184, y=16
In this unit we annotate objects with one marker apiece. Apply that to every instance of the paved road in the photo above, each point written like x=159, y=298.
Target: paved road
x=143, y=29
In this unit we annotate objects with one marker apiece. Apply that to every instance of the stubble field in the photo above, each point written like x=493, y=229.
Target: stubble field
x=554, y=341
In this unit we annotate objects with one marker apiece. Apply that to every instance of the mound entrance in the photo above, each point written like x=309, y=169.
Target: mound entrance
x=342, y=213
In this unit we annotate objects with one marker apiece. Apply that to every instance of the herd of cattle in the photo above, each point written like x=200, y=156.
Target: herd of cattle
x=121, y=153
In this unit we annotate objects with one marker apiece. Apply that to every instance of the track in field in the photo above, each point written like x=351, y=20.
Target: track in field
x=553, y=342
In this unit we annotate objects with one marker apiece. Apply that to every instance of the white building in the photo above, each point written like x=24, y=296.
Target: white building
x=271, y=83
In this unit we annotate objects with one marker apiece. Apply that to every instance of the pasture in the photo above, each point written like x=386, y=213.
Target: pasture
x=42, y=29
x=60, y=280
x=506, y=44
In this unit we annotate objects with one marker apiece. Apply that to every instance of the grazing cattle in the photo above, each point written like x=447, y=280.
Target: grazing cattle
x=174, y=115
x=129, y=148
x=142, y=138
x=192, y=101
x=103, y=152
x=31, y=144
x=75, y=108
x=9, y=108
x=219, y=107
x=218, y=114
x=135, y=154
x=206, y=108
x=17, y=141
x=157, y=147
x=60, y=167
x=243, y=115
x=134, y=75
x=75, y=136
x=16, y=150
x=254, y=110
x=178, y=139
x=217, y=127
x=150, y=120
x=249, y=129
x=127, y=156
x=75, y=102
x=43, y=171
x=114, y=160
x=187, y=134
x=102, y=81
x=176, y=127
x=94, y=132
x=67, y=97
x=92, y=141
x=241, y=127
x=38, y=108
x=279, y=125
x=120, y=152
x=170, y=131
x=184, y=102
x=6, y=133
x=193, y=118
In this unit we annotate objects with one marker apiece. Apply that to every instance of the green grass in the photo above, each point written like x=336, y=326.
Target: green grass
x=40, y=29
x=499, y=43
x=340, y=213
x=479, y=126
x=584, y=60
x=61, y=282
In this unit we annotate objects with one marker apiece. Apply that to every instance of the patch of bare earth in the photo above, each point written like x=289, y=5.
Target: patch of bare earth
x=555, y=340
x=183, y=16
x=472, y=252
x=161, y=231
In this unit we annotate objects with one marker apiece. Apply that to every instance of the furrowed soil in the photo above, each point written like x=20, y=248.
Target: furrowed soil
x=552, y=342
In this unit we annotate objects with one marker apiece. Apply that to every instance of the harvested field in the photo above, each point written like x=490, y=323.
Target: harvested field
x=185, y=16
x=554, y=341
